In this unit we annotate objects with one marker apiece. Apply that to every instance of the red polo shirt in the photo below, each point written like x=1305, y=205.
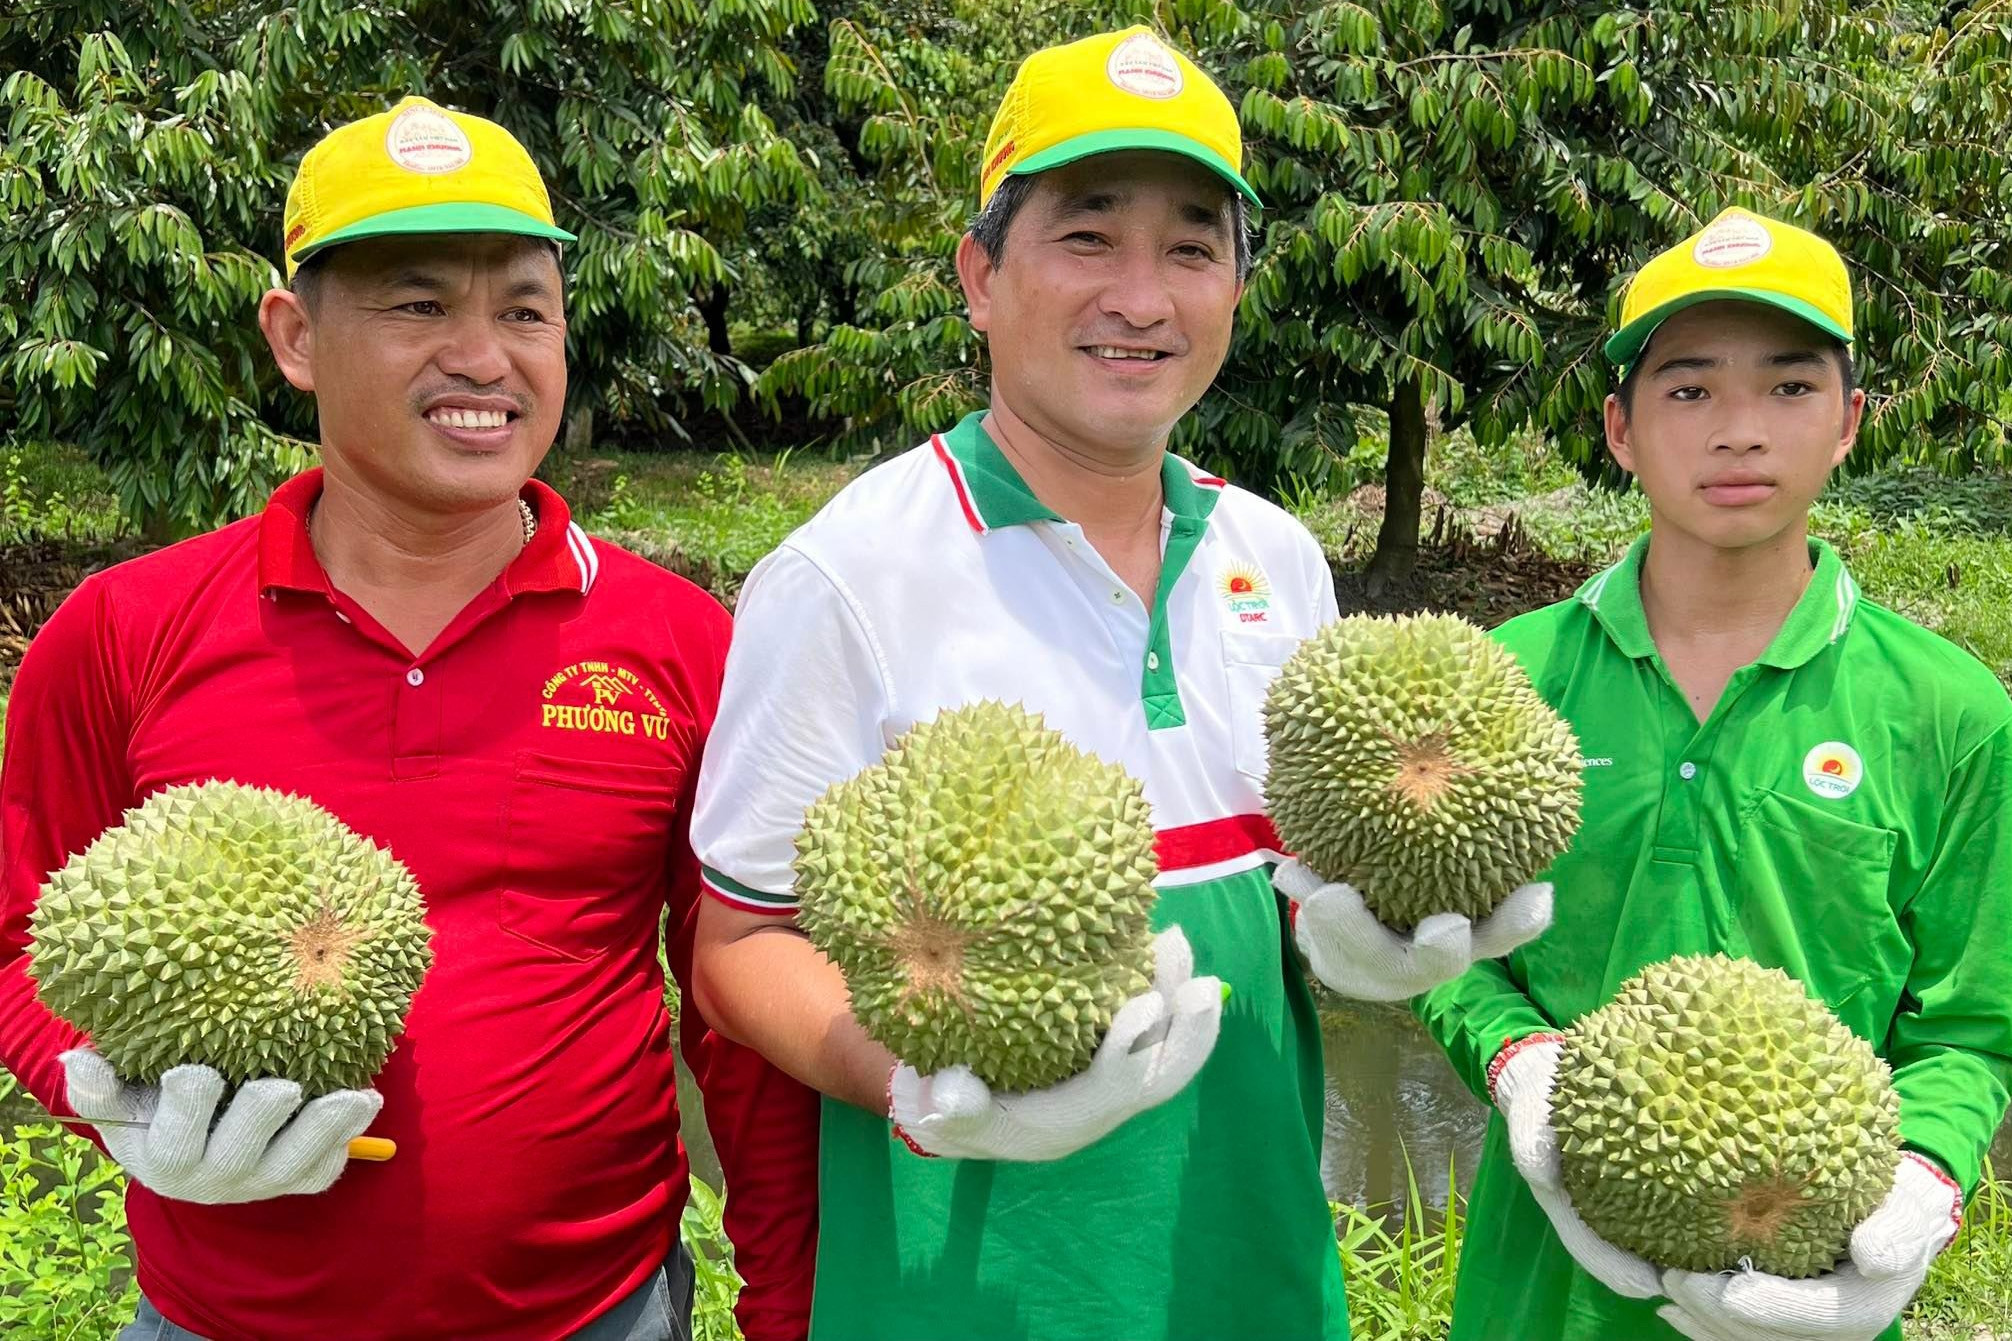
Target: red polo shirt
x=534, y=768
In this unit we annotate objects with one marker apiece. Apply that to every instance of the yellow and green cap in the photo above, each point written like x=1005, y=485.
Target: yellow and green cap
x=1741, y=256
x=418, y=168
x=1121, y=90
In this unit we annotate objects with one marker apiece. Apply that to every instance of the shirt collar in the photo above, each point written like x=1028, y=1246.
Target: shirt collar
x=560, y=557
x=1822, y=615
x=992, y=494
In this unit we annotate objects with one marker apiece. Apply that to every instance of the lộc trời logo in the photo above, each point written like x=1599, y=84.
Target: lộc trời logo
x=605, y=699
x=1246, y=591
x=1832, y=770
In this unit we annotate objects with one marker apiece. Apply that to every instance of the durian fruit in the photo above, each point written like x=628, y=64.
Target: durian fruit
x=985, y=889
x=1410, y=757
x=239, y=927
x=1714, y=1113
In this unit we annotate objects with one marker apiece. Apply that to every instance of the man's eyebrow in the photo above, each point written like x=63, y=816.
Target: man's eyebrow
x=1080, y=203
x=531, y=286
x=426, y=281
x=1797, y=358
x=1685, y=363
x=1194, y=212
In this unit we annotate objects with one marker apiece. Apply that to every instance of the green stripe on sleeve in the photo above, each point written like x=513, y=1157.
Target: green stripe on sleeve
x=726, y=884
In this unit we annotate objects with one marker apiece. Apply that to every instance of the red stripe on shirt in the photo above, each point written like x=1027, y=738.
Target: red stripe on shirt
x=1215, y=840
x=957, y=482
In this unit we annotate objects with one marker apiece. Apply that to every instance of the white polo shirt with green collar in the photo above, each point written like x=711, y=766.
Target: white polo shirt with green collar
x=939, y=579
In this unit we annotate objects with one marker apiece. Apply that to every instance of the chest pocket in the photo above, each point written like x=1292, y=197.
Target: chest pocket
x=586, y=845
x=1811, y=895
x=1251, y=662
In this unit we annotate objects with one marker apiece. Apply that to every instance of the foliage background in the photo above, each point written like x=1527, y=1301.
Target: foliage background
x=769, y=193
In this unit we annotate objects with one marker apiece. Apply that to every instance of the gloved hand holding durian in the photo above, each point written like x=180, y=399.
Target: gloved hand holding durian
x=242, y=962
x=1423, y=785
x=1716, y=1136
x=986, y=889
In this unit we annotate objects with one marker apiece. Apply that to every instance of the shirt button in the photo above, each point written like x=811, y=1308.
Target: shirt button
x=1687, y=770
x=1118, y=597
x=417, y=677
x=1152, y=661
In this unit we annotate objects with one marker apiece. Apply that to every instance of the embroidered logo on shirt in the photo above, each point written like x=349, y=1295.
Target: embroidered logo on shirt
x=1833, y=770
x=605, y=699
x=1246, y=592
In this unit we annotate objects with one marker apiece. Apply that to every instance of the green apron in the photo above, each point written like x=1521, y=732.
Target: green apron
x=1201, y=1218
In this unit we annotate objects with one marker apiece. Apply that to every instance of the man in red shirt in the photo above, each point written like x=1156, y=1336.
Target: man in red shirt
x=417, y=637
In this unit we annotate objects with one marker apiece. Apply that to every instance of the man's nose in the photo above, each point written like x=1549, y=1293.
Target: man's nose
x=474, y=351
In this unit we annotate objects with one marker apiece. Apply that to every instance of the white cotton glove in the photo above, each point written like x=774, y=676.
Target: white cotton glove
x=250, y=1153
x=953, y=1113
x=1357, y=956
x=1890, y=1255
x=1522, y=1090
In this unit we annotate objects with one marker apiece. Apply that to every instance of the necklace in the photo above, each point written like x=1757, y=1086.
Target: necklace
x=524, y=514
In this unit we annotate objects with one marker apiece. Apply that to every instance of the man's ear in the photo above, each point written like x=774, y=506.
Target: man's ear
x=975, y=271
x=1854, y=418
x=1620, y=435
x=282, y=315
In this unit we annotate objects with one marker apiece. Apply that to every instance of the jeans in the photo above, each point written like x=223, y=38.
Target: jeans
x=660, y=1309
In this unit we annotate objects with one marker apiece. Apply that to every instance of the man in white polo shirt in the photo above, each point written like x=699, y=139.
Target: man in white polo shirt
x=1050, y=551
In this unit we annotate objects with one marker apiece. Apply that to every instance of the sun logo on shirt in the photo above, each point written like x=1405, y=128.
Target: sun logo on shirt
x=1832, y=770
x=1246, y=592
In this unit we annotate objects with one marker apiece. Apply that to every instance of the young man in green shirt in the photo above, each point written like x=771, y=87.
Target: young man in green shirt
x=1776, y=769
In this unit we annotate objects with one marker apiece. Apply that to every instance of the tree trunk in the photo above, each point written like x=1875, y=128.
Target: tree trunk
x=1403, y=489
x=579, y=428
x=160, y=528
x=713, y=307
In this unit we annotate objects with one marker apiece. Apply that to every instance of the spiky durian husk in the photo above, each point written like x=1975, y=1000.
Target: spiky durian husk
x=238, y=927
x=1411, y=757
x=985, y=889
x=1714, y=1113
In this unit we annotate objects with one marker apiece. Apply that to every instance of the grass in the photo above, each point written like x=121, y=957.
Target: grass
x=1400, y=1270
x=1970, y=1286
x=709, y=518
x=52, y=492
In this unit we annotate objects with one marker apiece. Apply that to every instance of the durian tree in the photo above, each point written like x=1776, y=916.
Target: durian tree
x=144, y=164
x=1460, y=189
x=1457, y=189
x=908, y=90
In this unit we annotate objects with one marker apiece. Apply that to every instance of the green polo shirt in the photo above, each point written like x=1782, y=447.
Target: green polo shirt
x=1842, y=814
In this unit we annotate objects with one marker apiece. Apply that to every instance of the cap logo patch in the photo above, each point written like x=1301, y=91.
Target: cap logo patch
x=1832, y=770
x=1141, y=65
x=424, y=140
x=1732, y=242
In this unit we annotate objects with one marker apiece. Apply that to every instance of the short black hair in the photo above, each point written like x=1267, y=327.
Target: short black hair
x=1837, y=348
x=307, y=277
x=309, y=274
x=988, y=229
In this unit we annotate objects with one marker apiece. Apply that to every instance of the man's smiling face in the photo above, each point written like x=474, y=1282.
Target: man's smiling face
x=1109, y=310
x=1737, y=414
x=438, y=364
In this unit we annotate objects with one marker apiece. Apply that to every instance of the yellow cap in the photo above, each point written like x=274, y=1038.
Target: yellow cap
x=418, y=168
x=1122, y=90
x=1742, y=256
